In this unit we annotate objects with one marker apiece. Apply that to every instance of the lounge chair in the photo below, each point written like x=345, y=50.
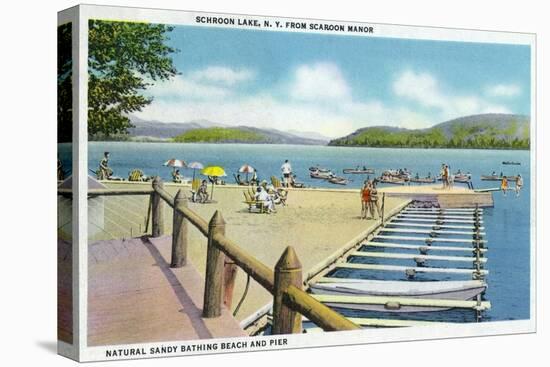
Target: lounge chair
x=276, y=182
x=195, y=189
x=253, y=203
x=136, y=175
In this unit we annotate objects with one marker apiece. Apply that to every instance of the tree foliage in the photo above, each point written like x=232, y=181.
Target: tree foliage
x=219, y=135
x=478, y=136
x=64, y=83
x=124, y=58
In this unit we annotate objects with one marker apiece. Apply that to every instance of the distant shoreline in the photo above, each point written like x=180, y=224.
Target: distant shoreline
x=130, y=140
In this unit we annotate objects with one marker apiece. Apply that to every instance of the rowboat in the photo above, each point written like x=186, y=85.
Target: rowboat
x=338, y=180
x=422, y=180
x=355, y=171
x=321, y=175
x=404, y=175
x=459, y=177
x=452, y=289
x=497, y=178
x=511, y=163
x=318, y=169
x=399, y=296
x=391, y=180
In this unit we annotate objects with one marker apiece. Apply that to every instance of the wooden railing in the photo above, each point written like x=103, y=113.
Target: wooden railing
x=284, y=282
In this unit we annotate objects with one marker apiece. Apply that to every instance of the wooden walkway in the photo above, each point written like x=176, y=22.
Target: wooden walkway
x=135, y=297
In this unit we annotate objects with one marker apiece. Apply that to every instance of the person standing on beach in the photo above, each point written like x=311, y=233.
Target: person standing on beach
x=104, y=171
x=286, y=169
x=519, y=184
x=448, y=178
x=504, y=185
x=365, y=199
x=374, y=200
x=442, y=174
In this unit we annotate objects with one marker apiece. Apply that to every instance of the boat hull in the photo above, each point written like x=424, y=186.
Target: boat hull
x=498, y=178
x=468, y=291
x=422, y=180
x=358, y=172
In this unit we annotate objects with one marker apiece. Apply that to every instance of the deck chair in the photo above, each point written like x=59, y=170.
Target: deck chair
x=276, y=182
x=195, y=189
x=253, y=203
x=135, y=175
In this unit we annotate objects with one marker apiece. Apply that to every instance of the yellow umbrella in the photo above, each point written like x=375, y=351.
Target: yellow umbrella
x=214, y=171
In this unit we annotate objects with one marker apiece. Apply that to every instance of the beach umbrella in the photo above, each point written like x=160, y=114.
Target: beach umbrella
x=246, y=168
x=175, y=163
x=195, y=166
x=214, y=171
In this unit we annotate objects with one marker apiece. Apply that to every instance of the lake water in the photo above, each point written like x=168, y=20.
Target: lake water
x=507, y=224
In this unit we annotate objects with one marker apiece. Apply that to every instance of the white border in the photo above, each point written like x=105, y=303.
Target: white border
x=178, y=17
x=65, y=349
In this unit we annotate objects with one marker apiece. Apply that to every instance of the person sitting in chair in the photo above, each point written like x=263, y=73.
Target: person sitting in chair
x=263, y=197
x=176, y=177
x=202, y=194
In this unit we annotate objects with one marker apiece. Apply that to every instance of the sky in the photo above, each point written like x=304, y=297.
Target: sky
x=332, y=84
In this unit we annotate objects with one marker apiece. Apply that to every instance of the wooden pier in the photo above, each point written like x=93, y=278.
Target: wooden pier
x=146, y=288
x=418, y=236
x=135, y=296
x=456, y=197
x=205, y=302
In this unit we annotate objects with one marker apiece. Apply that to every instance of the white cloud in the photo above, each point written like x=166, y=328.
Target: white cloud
x=319, y=82
x=223, y=75
x=319, y=99
x=213, y=82
x=265, y=111
x=428, y=92
x=180, y=87
x=503, y=90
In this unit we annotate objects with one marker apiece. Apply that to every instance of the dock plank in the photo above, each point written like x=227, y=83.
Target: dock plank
x=430, y=239
x=414, y=257
x=405, y=268
x=422, y=247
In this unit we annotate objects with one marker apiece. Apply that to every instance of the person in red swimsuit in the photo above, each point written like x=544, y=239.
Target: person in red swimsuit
x=365, y=200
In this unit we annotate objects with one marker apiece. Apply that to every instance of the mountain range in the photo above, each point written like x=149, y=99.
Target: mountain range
x=484, y=131
x=488, y=131
x=194, y=131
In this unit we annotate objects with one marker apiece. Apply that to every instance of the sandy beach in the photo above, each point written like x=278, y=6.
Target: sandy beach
x=316, y=222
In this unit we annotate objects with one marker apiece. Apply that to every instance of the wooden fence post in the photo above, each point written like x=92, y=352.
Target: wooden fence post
x=157, y=209
x=179, y=232
x=288, y=271
x=212, y=304
x=229, y=275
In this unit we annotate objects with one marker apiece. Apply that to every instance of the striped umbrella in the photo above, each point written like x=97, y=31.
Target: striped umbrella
x=246, y=168
x=175, y=163
x=195, y=166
